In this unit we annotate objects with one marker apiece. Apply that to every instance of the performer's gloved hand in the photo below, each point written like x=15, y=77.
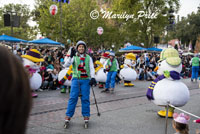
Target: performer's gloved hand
x=73, y=52
x=104, y=70
x=93, y=82
x=150, y=94
x=118, y=71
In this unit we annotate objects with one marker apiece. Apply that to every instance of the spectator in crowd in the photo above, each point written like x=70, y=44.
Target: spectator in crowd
x=150, y=74
x=147, y=60
x=152, y=64
x=19, y=53
x=48, y=80
x=55, y=79
x=57, y=65
x=50, y=65
x=141, y=72
x=180, y=123
x=15, y=94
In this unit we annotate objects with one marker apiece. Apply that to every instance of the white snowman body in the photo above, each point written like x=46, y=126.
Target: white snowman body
x=63, y=72
x=100, y=76
x=128, y=73
x=36, y=79
x=61, y=75
x=168, y=90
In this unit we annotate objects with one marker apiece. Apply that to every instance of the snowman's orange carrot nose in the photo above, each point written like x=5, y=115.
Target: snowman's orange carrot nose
x=156, y=69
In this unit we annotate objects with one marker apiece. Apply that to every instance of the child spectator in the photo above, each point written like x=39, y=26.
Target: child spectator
x=57, y=65
x=48, y=80
x=150, y=75
x=180, y=123
x=50, y=65
x=55, y=79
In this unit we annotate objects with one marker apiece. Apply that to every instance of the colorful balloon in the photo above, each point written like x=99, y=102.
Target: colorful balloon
x=53, y=9
x=100, y=30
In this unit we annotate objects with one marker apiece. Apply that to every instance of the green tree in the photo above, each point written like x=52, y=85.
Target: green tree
x=188, y=29
x=24, y=31
x=153, y=22
x=76, y=21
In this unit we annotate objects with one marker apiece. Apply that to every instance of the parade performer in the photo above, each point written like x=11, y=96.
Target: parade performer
x=31, y=62
x=65, y=75
x=111, y=66
x=195, y=67
x=167, y=87
x=100, y=75
x=128, y=72
x=82, y=78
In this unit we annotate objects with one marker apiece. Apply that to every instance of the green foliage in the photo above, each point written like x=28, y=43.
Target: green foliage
x=76, y=23
x=24, y=31
x=188, y=29
x=148, y=26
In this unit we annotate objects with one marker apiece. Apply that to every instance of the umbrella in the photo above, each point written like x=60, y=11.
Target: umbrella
x=131, y=48
x=46, y=41
x=154, y=49
x=6, y=38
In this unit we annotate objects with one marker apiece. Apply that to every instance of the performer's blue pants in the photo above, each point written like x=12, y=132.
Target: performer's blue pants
x=110, y=81
x=195, y=72
x=84, y=87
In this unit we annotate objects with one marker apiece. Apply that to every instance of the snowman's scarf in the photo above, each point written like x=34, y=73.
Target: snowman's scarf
x=173, y=74
x=100, y=65
x=68, y=76
x=130, y=66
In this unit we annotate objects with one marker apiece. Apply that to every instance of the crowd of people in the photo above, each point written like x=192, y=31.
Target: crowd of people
x=54, y=60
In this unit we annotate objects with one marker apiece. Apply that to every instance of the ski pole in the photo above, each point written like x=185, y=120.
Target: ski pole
x=98, y=113
x=184, y=111
x=166, y=118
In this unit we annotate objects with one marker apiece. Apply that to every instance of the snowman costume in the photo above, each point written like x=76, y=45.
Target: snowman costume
x=128, y=72
x=31, y=62
x=65, y=75
x=167, y=87
x=100, y=75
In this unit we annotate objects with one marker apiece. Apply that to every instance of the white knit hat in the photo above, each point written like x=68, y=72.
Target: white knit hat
x=81, y=43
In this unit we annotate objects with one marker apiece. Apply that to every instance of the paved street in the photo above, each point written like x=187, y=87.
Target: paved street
x=126, y=111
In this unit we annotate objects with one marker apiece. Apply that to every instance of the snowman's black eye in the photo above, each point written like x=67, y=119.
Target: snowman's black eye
x=159, y=64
